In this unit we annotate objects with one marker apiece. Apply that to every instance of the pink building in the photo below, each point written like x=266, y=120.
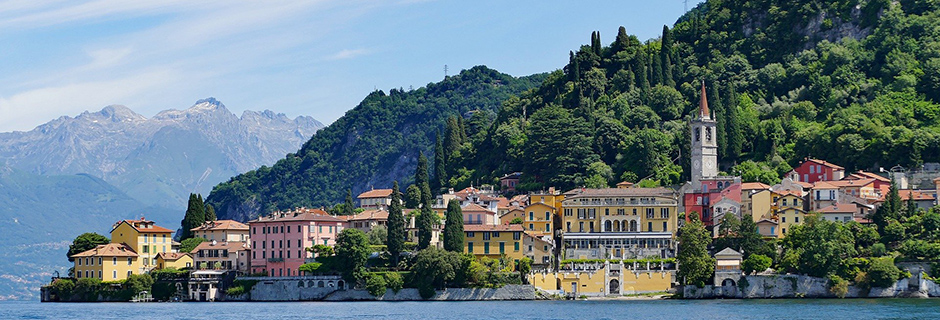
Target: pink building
x=279, y=240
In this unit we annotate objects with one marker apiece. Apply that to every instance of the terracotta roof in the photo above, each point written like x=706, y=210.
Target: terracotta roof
x=152, y=229
x=825, y=163
x=619, y=192
x=805, y=185
x=301, y=214
x=230, y=246
x=824, y=185
x=790, y=192
x=473, y=207
x=366, y=215
x=907, y=194
x=852, y=183
x=625, y=184
x=109, y=250
x=839, y=208
x=172, y=256
x=937, y=180
x=375, y=193
x=754, y=186
x=221, y=225
x=870, y=175
x=489, y=227
x=767, y=220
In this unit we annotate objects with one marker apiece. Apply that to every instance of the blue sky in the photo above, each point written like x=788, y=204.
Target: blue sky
x=316, y=58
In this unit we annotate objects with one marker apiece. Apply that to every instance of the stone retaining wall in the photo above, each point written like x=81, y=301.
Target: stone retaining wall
x=289, y=290
x=798, y=286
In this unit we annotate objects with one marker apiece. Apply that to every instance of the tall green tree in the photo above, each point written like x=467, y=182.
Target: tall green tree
x=421, y=171
x=734, y=129
x=641, y=72
x=889, y=210
x=84, y=242
x=817, y=247
x=352, y=252
x=452, y=140
x=665, y=55
x=696, y=266
x=210, y=213
x=413, y=197
x=440, y=175
x=622, y=41
x=396, y=227
x=453, y=227
x=348, y=206
x=559, y=147
x=425, y=226
x=656, y=77
x=195, y=216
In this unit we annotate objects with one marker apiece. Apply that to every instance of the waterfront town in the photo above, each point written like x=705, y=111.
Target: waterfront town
x=588, y=242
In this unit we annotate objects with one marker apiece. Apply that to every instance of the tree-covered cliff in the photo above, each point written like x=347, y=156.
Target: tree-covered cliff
x=373, y=144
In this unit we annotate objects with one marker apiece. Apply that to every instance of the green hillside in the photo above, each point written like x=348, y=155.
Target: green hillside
x=853, y=82
x=370, y=146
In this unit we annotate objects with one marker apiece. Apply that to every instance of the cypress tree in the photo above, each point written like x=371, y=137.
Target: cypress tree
x=426, y=219
x=463, y=130
x=195, y=216
x=642, y=77
x=714, y=103
x=734, y=131
x=396, y=226
x=622, y=42
x=572, y=67
x=451, y=139
x=421, y=171
x=596, y=43
x=439, y=174
x=453, y=227
x=348, y=207
x=210, y=213
x=657, y=73
x=665, y=55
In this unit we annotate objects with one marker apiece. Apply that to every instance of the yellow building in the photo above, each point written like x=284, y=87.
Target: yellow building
x=756, y=201
x=107, y=262
x=494, y=241
x=619, y=223
x=176, y=260
x=789, y=211
x=604, y=281
x=538, y=219
x=512, y=214
x=539, y=249
x=145, y=238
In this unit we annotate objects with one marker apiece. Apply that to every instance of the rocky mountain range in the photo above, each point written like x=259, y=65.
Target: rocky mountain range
x=159, y=160
x=81, y=174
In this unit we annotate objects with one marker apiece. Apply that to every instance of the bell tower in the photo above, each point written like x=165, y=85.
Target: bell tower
x=704, y=145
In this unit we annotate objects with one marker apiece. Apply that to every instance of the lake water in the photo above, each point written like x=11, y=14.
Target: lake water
x=606, y=309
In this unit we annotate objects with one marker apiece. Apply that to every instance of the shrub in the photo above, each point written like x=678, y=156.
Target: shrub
x=310, y=268
x=883, y=273
x=838, y=286
x=376, y=285
x=878, y=250
x=426, y=291
x=756, y=263
x=394, y=281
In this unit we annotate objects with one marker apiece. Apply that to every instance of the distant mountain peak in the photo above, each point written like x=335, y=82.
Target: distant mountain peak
x=120, y=113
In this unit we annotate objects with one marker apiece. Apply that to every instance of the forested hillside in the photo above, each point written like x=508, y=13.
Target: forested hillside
x=373, y=144
x=853, y=82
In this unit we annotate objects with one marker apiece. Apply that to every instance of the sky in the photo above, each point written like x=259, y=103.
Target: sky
x=317, y=58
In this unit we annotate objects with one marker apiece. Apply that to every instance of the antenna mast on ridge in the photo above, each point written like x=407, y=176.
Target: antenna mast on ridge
x=445, y=71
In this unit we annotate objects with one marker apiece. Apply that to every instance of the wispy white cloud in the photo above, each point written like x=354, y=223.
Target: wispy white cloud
x=347, y=54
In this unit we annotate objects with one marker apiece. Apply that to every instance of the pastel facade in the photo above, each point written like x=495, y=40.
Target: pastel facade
x=539, y=219
x=476, y=214
x=376, y=198
x=107, y=262
x=758, y=204
x=222, y=231
x=619, y=222
x=611, y=280
x=823, y=194
x=177, y=260
x=539, y=249
x=812, y=170
x=146, y=239
x=227, y=256
x=366, y=220
x=279, y=240
x=768, y=228
x=494, y=241
x=839, y=212
x=790, y=212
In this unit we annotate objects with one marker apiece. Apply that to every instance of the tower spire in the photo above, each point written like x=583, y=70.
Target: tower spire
x=703, y=105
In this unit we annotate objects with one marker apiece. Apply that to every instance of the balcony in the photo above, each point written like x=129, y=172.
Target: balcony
x=275, y=259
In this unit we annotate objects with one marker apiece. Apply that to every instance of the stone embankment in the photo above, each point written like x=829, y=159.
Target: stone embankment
x=313, y=290
x=798, y=286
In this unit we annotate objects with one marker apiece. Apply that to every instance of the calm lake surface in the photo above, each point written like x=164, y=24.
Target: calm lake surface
x=607, y=309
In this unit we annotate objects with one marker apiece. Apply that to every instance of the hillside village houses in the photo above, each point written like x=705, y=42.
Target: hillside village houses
x=607, y=230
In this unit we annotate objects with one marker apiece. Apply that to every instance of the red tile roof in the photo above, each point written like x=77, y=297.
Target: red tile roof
x=473, y=207
x=826, y=163
x=172, y=256
x=852, y=183
x=619, y=192
x=109, y=250
x=754, y=186
x=870, y=175
x=366, y=215
x=488, y=227
x=907, y=194
x=152, y=229
x=301, y=214
x=790, y=192
x=375, y=193
x=221, y=225
x=824, y=185
x=839, y=208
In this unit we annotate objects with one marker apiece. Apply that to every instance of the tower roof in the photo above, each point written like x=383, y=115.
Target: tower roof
x=703, y=105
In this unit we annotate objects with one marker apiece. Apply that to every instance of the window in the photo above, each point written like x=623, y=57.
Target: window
x=469, y=247
x=548, y=215
x=516, y=247
x=486, y=235
x=502, y=247
x=649, y=227
x=114, y=274
x=649, y=213
x=470, y=234
x=708, y=134
x=783, y=219
x=486, y=247
x=698, y=134
x=130, y=261
x=606, y=211
x=580, y=226
x=784, y=230
x=79, y=261
x=146, y=249
x=516, y=235
x=548, y=227
x=665, y=226
x=531, y=215
x=99, y=261
x=796, y=219
x=254, y=230
x=634, y=211
x=496, y=234
x=299, y=229
x=664, y=213
x=531, y=226
x=299, y=244
x=114, y=262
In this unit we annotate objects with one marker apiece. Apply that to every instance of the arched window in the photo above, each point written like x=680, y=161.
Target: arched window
x=607, y=227
x=698, y=134
x=708, y=134
x=633, y=226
